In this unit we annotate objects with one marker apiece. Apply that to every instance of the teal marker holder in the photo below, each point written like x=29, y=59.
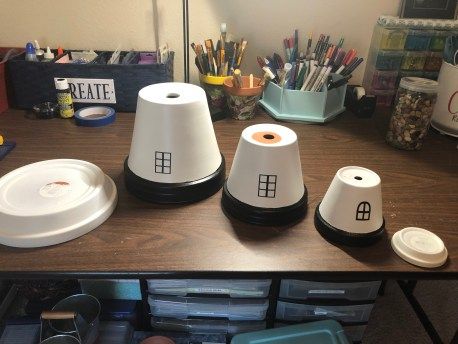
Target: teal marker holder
x=304, y=106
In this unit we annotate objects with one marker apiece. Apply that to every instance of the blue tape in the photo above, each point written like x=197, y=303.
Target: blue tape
x=95, y=116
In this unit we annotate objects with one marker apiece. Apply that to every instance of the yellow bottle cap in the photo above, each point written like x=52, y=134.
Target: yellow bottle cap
x=1, y=140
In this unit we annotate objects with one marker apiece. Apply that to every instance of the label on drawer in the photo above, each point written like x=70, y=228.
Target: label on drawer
x=100, y=91
x=326, y=291
x=209, y=290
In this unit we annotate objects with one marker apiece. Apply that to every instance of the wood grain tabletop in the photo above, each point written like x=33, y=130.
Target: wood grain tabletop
x=140, y=239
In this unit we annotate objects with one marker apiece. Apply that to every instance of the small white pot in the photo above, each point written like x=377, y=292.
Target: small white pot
x=265, y=185
x=174, y=156
x=445, y=113
x=351, y=210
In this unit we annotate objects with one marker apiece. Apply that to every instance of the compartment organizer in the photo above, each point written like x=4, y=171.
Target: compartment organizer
x=303, y=290
x=304, y=106
x=233, y=288
x=185, y=307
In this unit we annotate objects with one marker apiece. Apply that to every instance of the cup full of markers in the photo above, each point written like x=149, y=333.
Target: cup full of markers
x=215, y=64
x=243, y=93
x=312, y=70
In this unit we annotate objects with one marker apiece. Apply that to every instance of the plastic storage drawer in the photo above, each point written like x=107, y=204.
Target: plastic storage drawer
x=184, y=307
x=300, y=312
x=112, y=289
x=233, y=288
x=206, y=325
x=303, y=290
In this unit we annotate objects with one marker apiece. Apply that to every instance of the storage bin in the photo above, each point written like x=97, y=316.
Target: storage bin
x=112, y=289
x=302, y=312
x=206, y=325
x=384, y=80
x=304, y=106
x=413, y=60
x=388, y=60
x=320, y=332
x=391, y=38
x=438, y=38
x=184, y=307
x=115, y=85
x=233, y=288
x=418, y=40
x=355, y=333
x=304, y=290
x=5, y=54
x=433, y=62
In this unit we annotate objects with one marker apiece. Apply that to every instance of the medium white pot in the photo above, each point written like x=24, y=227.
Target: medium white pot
x=445, y=113
x=265, y=184
x=351, y=210
x=174, y=156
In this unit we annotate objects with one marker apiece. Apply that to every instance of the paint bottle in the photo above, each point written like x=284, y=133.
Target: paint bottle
x=30, y=53
x=48, y=55
x=39, y=53
x=64, y=98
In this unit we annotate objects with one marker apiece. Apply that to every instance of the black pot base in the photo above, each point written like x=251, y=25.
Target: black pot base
x=232, y=207
x=173, y=193
x=339, y=236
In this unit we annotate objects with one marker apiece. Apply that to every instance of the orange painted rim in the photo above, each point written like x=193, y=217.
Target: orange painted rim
x=267, y=137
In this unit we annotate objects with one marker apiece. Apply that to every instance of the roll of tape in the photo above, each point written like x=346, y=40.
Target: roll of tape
x=360, y=92
x=95, y=116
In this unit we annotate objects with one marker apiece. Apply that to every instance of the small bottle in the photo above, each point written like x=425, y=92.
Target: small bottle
x=30, y=53
x=39, y=53
x=64, y=98
x=48, y=55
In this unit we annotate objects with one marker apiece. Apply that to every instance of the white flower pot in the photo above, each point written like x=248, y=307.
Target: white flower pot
x=351, y=210
x=265, y=184
x=174, y=156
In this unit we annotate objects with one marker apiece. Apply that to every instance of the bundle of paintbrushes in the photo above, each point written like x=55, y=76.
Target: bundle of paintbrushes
x=221, y=61
x=311, y=70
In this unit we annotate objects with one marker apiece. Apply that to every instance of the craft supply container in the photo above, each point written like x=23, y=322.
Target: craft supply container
x=241, y=102
x=438, y=38
x=418, y=40
x=304, y=106
x=391, y=38
x=413, y=60
x=384, y=80
x=433, y=62
x=216, y=97
x=411, y=116
x=388, y=60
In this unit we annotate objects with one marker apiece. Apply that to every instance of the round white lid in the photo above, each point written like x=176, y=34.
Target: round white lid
x=53, y=201
x=419, y=247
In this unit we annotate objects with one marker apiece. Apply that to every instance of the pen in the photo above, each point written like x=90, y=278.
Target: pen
x=312, y=68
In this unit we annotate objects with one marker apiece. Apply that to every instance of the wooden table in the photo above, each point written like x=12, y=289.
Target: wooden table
x=145, y=240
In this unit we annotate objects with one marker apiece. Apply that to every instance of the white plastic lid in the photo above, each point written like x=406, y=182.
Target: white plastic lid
x=49, y=54
x=61, y=84
x=419, y=247
x=53, y=201
x=416, y=84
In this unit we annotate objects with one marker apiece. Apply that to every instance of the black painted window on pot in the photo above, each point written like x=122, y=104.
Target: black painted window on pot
x=267, y=185
x=363, y=212
x=163, y=162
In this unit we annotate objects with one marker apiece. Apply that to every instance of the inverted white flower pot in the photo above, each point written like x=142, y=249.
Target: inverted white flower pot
x=351, y=210
x=174, y=156
x=265, y=185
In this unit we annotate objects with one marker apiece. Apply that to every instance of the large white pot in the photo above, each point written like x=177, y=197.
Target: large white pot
x=174, y=156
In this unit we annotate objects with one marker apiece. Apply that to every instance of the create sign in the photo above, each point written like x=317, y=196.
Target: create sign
x=100, y=91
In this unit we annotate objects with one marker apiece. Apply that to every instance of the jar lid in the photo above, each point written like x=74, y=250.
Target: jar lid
x=61, y=84
x=416, y=84
x=419, y=247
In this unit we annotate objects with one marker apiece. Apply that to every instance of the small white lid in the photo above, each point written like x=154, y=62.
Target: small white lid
x=61, y=84
x=419, y=247
x=416, y=84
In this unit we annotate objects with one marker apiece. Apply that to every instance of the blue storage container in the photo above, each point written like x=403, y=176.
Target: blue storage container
x=320, y=332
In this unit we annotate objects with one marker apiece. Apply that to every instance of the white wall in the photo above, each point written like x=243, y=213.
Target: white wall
x=103, y=24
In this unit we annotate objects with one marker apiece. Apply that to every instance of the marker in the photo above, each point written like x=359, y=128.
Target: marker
x=313, y=67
